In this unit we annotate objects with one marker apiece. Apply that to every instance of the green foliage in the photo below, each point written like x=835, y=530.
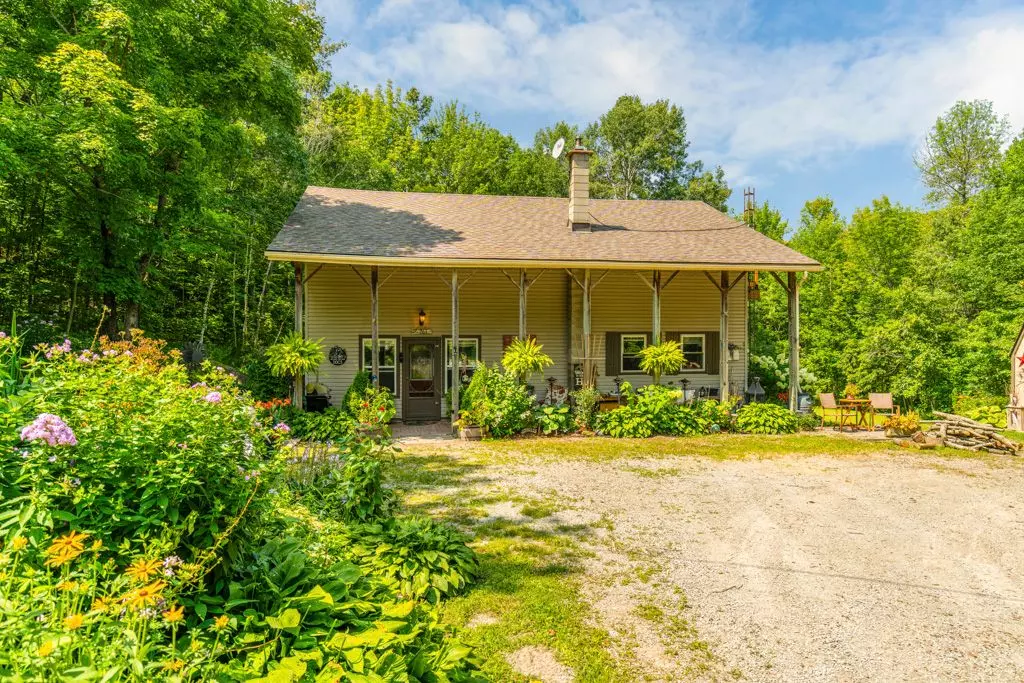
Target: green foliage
x=294, y=356
x=329, y=426
x=807, y=422
x=261, y=382
x=497, y=401
x=360, y=383
x=717, y=415
x=769, y=222
x=765, y=418
x=988, y=409
x=661, y=359
x=375, y=407
x=159, y=534
x=418, y=557
x=960, y=151
x=903, y=425
x=652, y=410
x=154, y=455
x=524, y=357
x=641, y=153
x=553, y=419
x=584, y=407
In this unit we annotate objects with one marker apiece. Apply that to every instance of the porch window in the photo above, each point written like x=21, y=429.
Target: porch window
x=631, y=346
x=387, y=361
x=693, y=352
x=469, y=354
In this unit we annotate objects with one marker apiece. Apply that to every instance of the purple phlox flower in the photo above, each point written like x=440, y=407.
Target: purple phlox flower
x=66, y=346
x=3, y=335
x=26, y=454
x=50, y=429
x=128, y=354
x=170, y=563
x=198, y=384
x=183, y=446
x=110, y=352
x=213, y=397
x=282, y=427
x=87, y=356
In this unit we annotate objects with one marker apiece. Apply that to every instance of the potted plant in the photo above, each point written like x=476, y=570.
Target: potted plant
x=662, y=359
x=374, y=411
x=523, y=357
x=470, y=424
x=295, y=356
x=902, y=425
x=851, y=390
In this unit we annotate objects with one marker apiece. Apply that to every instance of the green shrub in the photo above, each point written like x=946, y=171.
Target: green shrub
x=716, y=414
x=155, y=457
x=584, y=407
x=360, y=383
x=988, y=409
x=553, y=419
x=651, y=410
x=261, y=382
x=417, y=557
x=375, y=407
x=765, y=418
x=498, y=402
x=807, y=422
x=330, y=426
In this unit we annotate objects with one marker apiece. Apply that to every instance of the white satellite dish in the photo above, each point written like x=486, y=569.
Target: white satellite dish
x=556, y=151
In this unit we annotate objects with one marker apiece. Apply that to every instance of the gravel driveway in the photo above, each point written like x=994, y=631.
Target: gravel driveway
x=881, y=567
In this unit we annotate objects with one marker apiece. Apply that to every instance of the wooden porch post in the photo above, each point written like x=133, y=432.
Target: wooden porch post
x=794, y=340
x=723, y=340
x=588, y=346
x=522, y=303
x=656, y=307
x=300, y=380
x=374, y=324
x=456, y=380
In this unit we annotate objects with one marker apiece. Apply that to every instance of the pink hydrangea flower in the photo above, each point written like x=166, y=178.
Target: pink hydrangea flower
x=51, y=429
x=213, y=397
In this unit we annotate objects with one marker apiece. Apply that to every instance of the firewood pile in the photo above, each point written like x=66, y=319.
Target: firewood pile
x=966, y=434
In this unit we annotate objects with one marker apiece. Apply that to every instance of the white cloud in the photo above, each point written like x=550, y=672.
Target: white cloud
x=745, y=102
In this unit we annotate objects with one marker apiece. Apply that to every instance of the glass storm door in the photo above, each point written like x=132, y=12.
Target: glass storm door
x=422, y=379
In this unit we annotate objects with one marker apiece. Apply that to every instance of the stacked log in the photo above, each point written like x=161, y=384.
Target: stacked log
x=966, y=434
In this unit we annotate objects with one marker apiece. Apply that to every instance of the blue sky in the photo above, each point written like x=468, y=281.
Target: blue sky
x=797, y=99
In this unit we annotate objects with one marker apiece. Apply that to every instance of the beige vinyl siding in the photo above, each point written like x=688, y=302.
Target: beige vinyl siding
x=621, y=302
x=338, y=311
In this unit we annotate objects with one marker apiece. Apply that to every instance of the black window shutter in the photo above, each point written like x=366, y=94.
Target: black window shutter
x=711, y=352
x=612, y=353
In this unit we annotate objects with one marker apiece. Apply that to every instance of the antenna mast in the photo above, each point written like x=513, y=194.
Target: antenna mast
x=749, y=205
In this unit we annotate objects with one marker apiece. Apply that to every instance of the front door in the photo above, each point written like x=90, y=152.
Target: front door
x=421, y=381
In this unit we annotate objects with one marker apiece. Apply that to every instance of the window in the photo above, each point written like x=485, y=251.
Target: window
x=387, y=360
x=469, y=354
x=693, y=351
x=632, y=345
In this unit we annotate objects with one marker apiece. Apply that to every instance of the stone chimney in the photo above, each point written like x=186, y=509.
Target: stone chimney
x=579, y=187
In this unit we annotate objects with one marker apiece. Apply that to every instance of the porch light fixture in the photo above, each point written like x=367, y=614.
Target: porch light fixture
x=753, y=288
x=423, y=319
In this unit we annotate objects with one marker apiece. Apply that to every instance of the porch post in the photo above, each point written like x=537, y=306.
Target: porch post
x=300, y=380
x=794, y=340
x=588, y=360
x=456, y=380
x=522, y=303
x=723, y=340
x=656, y=307
x=374, y=331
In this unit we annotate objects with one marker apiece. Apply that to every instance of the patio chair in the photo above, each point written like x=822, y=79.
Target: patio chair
x=839, y=416
x=881, y=404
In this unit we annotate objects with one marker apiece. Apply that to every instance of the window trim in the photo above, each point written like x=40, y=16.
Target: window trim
x=363, y=338
x=446, y=339
x=622, y=347
x=703, y=352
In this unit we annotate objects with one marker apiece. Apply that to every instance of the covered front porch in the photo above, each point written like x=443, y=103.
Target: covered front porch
x=401, y=322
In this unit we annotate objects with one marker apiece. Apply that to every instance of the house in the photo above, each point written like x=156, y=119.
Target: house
x=1015, y=407
x=414, y=275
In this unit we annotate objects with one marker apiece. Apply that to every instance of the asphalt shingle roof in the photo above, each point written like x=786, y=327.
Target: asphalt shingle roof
x=448, y=228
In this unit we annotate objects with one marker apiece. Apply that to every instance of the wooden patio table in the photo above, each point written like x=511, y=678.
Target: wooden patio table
x=859, y=406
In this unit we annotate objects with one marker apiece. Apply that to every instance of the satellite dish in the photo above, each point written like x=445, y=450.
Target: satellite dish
x=556, y=151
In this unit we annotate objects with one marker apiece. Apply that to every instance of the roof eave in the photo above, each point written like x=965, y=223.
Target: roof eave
x=438, y=262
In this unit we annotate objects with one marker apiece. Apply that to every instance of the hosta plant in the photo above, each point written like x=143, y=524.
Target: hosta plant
x=765, y=418
x=553, y=419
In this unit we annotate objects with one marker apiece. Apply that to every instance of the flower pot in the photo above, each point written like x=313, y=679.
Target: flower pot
x=317, y=403
x=471, y=433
